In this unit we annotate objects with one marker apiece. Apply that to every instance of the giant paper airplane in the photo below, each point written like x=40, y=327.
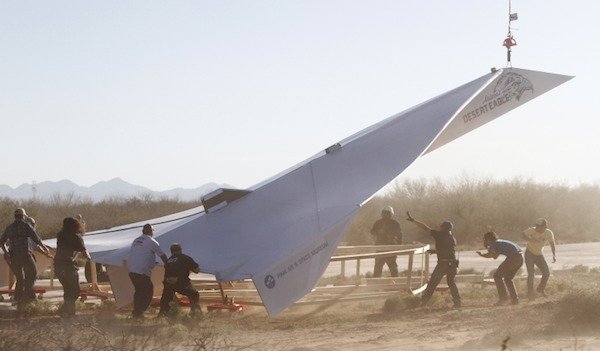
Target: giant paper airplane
x=282, y=232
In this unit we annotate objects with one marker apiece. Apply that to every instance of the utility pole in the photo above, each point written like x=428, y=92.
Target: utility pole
x=34, y=189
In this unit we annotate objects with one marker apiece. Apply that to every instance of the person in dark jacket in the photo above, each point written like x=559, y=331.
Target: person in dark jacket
x=507, y=269
x=447, y=264
x=177, y=280
x=386, y=232
x=68, y=243
x=19, y=257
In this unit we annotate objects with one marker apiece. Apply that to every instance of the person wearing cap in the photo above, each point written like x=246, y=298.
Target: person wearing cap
x=31, y=221
x=536, y=238
x=140, y=261
x=503, y=277
x=32, y=246
x=386, y=231
x=447, y=264
x=177, y=280
x=19, y=257
x=68, y=243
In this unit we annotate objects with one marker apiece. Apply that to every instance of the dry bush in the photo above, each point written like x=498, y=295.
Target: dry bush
x=474, y=205
x=90, y=333
x=337, y=280
x=401, y=303
x=478, y=205
x=38, y=308
x=105, y=214
x=580, y=308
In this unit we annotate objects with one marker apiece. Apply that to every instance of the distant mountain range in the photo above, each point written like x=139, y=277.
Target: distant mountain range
x=116, y=187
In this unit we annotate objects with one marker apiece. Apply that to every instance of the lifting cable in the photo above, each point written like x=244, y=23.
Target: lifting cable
x=510, y=41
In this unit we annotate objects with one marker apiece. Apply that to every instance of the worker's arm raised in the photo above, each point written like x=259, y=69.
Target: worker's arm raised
x=417, y=223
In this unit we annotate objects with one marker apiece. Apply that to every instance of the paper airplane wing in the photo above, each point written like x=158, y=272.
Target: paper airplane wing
x=106, y=245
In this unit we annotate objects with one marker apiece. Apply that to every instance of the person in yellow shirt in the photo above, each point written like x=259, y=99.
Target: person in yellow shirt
x=536, y=238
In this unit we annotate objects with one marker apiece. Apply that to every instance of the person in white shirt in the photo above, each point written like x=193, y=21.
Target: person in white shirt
x=140, y=262
x=537, y=237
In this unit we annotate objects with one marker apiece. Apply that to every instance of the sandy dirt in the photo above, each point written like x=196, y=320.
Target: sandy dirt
x=531, y=325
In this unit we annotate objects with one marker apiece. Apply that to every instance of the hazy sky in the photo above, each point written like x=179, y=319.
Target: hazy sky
x=180, y=93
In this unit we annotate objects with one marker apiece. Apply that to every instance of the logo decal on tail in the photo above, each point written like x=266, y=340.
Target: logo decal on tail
x=509, y=86
x=270, y=281
x=513, y=85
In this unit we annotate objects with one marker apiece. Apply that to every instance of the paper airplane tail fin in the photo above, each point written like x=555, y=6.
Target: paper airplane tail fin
x=507, y=90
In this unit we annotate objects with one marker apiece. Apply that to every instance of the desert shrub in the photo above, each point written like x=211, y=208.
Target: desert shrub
x=46, y=274
x=37, y=308
x=557, y=285
x=175, y=311
x=580, y=308
x=478, y=205
x=478, y=292
x=337, y=280
x=404, y=273
x=87, y=334
x=401, y=303
x=107, y=305
x=105, y=214
x=580, y=269
x=469, y=271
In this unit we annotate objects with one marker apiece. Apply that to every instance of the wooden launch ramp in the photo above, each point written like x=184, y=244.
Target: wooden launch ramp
x=342, y=287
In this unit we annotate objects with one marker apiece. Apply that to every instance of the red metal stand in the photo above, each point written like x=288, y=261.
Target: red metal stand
x=226, y=304
x=11, y=292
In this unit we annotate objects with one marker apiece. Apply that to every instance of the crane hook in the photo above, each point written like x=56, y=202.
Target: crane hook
x=509, y=42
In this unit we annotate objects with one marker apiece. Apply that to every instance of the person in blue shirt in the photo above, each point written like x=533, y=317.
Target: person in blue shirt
x=507, y=269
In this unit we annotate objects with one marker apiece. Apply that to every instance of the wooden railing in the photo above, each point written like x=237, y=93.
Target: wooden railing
x=358, y=253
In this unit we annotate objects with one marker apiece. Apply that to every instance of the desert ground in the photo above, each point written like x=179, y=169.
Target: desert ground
x=567, y=319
